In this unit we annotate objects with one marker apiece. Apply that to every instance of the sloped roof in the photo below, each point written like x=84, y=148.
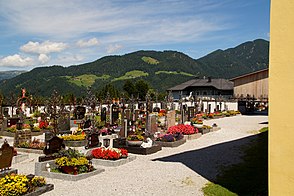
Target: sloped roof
x=249, y=74
x=221, y=84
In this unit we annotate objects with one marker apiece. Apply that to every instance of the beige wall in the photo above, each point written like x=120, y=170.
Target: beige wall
x=281, y=92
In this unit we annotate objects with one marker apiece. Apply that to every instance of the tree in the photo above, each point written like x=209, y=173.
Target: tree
x=142, y=88
x=130, y=88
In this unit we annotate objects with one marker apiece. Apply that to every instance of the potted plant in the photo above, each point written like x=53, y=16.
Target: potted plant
x=135, y=140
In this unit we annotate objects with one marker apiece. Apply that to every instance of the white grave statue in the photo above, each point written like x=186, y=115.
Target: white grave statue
x=147, y=144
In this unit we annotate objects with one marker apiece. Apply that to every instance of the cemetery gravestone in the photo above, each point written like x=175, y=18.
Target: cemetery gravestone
x=171, y=118
x=22, y=136
x=190, y=113
x=115, y=113
x=152, y=124
x=92, y=140
x=103, y=114
x=6, y=155
x=54, y=145
x=12, y=121
x=137, y=112
x=80, y=112
x=64, y=122
x=128, y=114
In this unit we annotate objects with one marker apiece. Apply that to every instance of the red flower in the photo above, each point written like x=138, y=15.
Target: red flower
x=183, y=129
x=43, y=124
x=108, y=154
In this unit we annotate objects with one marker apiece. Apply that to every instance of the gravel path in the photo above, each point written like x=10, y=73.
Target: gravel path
x=172, y=171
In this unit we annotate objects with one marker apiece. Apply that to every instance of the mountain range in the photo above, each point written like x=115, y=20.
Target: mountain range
x=161, y=69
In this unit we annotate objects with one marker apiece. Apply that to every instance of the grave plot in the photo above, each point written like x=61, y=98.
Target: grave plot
x=110, y=157
x=68, y=165
x=170, y=140
x=25, y=144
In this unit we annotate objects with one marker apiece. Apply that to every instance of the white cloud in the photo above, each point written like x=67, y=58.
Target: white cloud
x=69, y=59
x=88, y=43
x=113, y=48
x=43, y=58
x=45, y=47
x=16, y=61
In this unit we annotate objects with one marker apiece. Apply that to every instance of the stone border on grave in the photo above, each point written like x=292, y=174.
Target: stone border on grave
x=10, y=134
x=113, y=163
x=40, y=170
x=171, y=144
x=41, y=190
x=79, y=143
x=19, y=158
x=144, y=151
x=29, y=150
x=193, y=136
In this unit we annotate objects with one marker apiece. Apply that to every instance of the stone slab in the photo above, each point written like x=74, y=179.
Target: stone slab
x=41, y=190
x=113, y=163
x=40, y=170
x=144, y=151
x=29, y=150
x=193, y=136
x=69, y=143
x=10, y=134
x=171, y=144
x=19, y=158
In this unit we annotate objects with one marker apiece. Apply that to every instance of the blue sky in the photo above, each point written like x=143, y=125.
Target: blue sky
x=37, y=33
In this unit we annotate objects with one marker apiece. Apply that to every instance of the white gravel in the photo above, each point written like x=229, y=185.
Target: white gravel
x=172, y=171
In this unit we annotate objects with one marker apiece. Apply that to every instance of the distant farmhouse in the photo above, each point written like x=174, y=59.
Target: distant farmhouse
x=252, y=85
x=206, y=87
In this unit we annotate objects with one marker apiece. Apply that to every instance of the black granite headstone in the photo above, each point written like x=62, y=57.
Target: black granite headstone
x=54, y=145
x=6, y=155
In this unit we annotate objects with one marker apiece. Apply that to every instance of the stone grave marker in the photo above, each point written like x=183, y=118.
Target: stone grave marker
x=137, y=112
x=64, y=122
x=128, y=114
x=191, y=112
x=171, y=118
x=92, y=140
x=80, y=112
x=114, y=113
x=12, y=121
x=103, y=114
x=22, y=136
x=54, y=145
x=6, y=155
x=152, y=124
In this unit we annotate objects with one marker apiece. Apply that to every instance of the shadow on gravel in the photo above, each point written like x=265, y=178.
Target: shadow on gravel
x=209, y=161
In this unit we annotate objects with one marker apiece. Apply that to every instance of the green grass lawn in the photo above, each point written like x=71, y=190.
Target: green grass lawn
x=173, y=72
x=131, y=75
x=86, y=79
x=150, y=60
x=249, y=177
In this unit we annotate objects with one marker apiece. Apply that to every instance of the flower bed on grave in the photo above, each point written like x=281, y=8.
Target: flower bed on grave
x=110, y=157
x=73, y=162
x=71, y=140
x=170, y=140
x=189, y=131
x=35, y=146
x=16, y=184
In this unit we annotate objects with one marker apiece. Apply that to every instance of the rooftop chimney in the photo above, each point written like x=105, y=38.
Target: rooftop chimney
x=209, y=79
